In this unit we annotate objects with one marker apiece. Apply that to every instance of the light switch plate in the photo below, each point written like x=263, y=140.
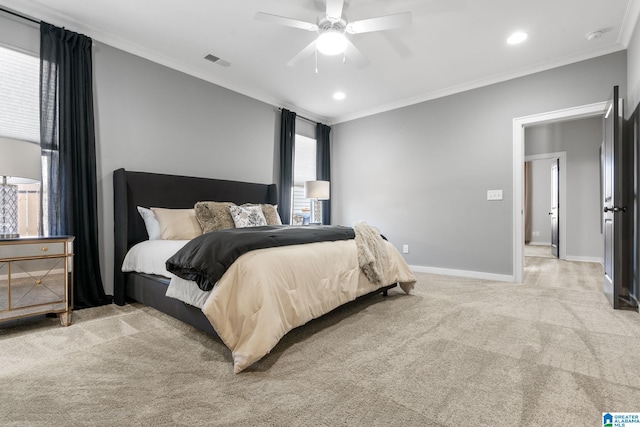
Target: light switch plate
x=494, y=194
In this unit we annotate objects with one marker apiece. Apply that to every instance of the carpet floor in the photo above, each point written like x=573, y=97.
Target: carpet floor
x=538, y=251
x=457, y=351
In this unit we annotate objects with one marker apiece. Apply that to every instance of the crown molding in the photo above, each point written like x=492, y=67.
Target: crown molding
x=499, y=78
x=629, y=22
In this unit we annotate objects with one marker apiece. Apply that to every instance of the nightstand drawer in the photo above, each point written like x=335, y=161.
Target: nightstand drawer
x=20, y=250
x=34, y=282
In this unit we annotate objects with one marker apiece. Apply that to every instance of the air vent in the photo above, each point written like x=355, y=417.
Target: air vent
x=217, y=60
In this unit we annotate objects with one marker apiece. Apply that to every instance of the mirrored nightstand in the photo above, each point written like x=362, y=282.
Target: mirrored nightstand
x=36, y=277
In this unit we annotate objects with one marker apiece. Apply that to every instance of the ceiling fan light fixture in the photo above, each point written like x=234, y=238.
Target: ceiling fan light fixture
x=331, y=42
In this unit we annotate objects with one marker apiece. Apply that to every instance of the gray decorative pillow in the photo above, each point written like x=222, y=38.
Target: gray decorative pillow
x=247, y=216
x=270, y=213
x=213, y=216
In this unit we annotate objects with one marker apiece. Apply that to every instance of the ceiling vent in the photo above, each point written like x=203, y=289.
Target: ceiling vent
x=217, y=60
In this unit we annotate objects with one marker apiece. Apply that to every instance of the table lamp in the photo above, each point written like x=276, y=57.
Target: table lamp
x=316, y=190
x=19, y=164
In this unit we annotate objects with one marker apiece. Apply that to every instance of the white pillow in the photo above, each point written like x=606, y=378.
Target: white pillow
x=150, y=222
x=247, y=216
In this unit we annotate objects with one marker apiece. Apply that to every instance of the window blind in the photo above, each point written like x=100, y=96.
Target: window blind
x=304, y=169
x=19, y=103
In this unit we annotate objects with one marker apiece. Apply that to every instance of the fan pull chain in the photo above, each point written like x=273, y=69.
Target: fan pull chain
x=316, y=61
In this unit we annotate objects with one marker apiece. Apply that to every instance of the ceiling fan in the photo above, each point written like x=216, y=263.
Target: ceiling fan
x=332, y=30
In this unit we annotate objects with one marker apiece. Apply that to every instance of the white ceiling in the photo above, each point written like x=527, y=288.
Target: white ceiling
x=451, y=45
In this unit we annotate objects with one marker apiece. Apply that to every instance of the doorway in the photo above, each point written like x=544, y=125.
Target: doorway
x=562, y=217
x=519, y=125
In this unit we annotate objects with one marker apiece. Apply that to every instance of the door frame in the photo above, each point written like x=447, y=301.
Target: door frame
x=519, y=124
x=562, y=218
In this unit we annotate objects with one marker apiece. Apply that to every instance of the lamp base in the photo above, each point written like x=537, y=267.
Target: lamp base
x=8, y=210
x=316, y=216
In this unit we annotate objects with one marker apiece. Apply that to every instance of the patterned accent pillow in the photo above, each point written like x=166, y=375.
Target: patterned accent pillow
x=270, y=213
x=213, y=216
x=247, y=216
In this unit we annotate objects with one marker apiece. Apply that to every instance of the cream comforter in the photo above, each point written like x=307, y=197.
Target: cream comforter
x=268, y=292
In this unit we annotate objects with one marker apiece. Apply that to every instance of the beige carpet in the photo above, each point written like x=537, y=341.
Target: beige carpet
x=538, y=251
x=459, y=352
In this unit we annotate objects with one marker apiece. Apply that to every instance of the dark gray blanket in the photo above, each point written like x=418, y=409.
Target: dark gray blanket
x=206, y=258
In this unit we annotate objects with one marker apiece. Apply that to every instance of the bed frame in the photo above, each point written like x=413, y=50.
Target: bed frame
x=132, y=189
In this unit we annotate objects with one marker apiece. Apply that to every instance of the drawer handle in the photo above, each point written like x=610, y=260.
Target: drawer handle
x=45, y=249
x=38, y=281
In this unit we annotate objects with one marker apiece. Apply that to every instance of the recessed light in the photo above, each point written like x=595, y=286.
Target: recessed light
x=517, y=37
x=339, y=96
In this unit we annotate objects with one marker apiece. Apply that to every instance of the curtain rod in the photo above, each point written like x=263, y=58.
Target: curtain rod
x=301, y=117
x=308, y=120
x=19, y=15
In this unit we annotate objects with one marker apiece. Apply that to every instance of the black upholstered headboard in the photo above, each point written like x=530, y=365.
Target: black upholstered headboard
x=132, y=189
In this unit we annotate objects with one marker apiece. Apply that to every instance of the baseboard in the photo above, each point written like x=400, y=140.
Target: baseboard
x=539, y=243
x=463, y=273
x=584, y=259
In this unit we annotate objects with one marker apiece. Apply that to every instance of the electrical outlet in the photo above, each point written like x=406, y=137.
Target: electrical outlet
x=535, y=233
x=405, y=249
x=494, y=194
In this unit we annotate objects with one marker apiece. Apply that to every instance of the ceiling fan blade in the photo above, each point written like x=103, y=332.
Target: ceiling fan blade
x=387, y=22
x=289, y=22
x=334, y=8
x=354, y=54
x=304, y=53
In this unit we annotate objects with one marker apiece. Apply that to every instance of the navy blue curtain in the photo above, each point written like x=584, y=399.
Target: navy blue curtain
x=323, y=165
x=69, y=155
x=287, y=146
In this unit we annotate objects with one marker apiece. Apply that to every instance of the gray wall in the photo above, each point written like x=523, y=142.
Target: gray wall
x=581, y=140
x=633, y=72
x=540, y=201
x=16, y=33
x=421, y=173
x=633, y=82
x=155, y=119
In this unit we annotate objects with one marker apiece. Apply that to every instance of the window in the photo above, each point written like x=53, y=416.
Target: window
x=304, y=169
x=20, y=119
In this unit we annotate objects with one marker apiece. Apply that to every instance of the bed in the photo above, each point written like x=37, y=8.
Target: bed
x=134, y=189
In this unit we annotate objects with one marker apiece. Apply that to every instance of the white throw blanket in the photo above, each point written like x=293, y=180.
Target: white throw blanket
x=372, y=254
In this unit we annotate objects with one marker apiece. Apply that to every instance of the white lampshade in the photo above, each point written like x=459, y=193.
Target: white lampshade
x=331, y=42
x=317, y=190
x=19, y=161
